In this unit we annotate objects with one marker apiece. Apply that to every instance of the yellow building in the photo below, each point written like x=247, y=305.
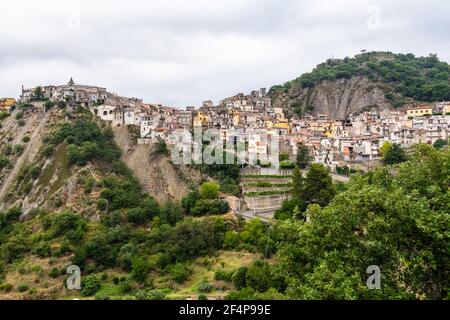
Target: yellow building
x=201, y=119
x=6, y=104
x=446, y=109
x=419, y=111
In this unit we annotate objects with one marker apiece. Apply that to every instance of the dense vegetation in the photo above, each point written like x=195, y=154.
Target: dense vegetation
x=324, y=238
x=419, y=78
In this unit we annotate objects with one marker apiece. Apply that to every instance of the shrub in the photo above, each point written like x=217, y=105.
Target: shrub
x=3, y=115
x=210, y=207
x=209, y=190
x=179, y=272
x=19, y=115
x=54, y=273
x=27, y=188
x=223, y=276
x=6, y=287
x=205, y=287
x=22, y=287
x=102, y=296
x=155, y=295
x=89, y=285
x=161, y=147
x=287, y=165
x=21, y=122
x=139, y=269
x=231, y=239
x=202, y=297
x=35, y=171
x=4, y=162
x=102, y=204
x=25, y=139
x=126, y=286
x=136, y=216
x=62, y=104
x=18, y=149
x=239, y=278
x=88, y=185
x=42, y=249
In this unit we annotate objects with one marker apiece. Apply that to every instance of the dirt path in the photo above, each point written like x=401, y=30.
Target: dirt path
x=30, y=150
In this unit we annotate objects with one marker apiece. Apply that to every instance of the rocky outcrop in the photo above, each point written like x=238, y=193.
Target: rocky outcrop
x=155, y=173
x=338, y=99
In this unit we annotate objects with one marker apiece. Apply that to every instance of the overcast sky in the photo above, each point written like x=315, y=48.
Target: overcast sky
x=181, y=52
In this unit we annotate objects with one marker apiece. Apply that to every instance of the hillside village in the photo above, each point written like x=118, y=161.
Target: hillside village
x=353, y=142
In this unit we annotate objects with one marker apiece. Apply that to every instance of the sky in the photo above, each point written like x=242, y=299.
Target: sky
x=182, y=52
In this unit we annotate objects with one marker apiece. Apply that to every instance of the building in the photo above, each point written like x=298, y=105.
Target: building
x=81, y=94
x=6, y=104
x=419, y=111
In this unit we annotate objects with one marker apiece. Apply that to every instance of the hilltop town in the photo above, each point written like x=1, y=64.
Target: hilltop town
x=353, y=142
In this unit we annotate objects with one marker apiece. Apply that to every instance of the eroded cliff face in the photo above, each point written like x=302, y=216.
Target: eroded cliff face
x=338, y=99
x=155, y=173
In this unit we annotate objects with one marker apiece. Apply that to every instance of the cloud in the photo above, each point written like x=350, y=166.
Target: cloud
x=182, y=52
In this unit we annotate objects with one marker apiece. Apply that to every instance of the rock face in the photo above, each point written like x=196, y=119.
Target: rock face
x=155, y=173
x=338, y=99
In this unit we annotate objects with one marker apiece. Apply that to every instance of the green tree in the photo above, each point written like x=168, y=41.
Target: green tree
x=209, y=190
x=38, y=94
x=90, y=285
x=319, y=186
x=440, y=143
x=139, y=269
x=303, y=158
x=161, y=147
x=394, y=155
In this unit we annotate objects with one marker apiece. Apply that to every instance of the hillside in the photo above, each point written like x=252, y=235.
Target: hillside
x=379, y=80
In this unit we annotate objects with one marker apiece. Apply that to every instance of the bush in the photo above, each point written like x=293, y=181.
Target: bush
x=205, y=287
x=179, y=272
x=22, y=287
x=35, y=171
x=18, y=149
x=102, y=204
x=126, y=286
x=3, y=115
x=21, y=122
x=239, y=278
x=6, y=287
x=139, y=269
x=155, y=295
x=161, y=147
x=136, y=216
x=25, y=139
x=210, y=207
x=62, y=104
x=202, y=297
x=42, y=249
x=4, y=162
x=89, y=285
x=19, y=115
x=54, y=273
x=287, y=165
x=89, y=185
x=231, y=240
x=209, y=190
x=223, y=276
x=27, y=187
